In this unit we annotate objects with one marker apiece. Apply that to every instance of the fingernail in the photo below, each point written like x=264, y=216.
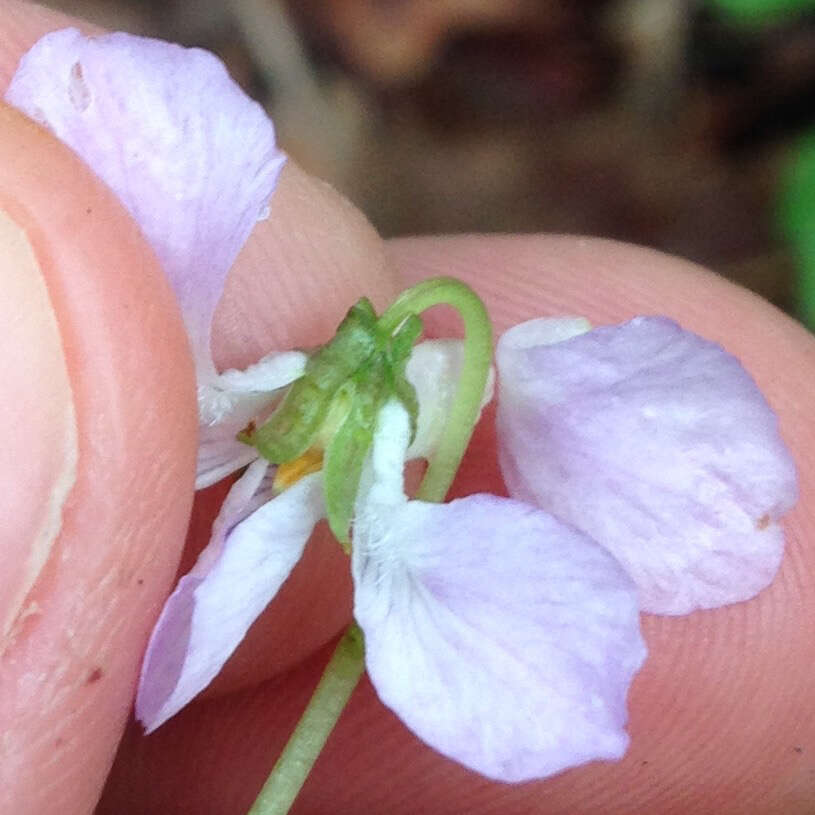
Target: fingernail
x=38, y=453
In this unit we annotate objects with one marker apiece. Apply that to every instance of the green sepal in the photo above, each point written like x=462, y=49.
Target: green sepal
x=297, y=421
x=399, y=349
x=406, y=394
x=353, y=344
x=346, y=452
x=401, y=343
x=380, y=377
x=293, y=426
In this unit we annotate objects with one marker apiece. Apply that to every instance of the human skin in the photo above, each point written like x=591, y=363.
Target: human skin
x=721, y=715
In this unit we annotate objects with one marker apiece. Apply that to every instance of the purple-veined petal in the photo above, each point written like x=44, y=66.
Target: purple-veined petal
x=501, y=637
x=247, y=560
x=227, y=403
x=191, y=157
x=657, y=444
x=220, y=455
x=433, y=369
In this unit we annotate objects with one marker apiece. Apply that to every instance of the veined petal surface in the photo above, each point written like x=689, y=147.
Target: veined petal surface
x=255, y=544
x=220, y=454
x=191, y=157
x=657, y=444
x=501, y=637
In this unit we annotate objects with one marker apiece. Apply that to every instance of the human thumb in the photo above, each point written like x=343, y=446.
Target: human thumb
x=97, y=461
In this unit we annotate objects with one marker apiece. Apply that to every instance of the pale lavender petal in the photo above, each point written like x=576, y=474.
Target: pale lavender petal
x=657, y=444
x=501, y=637
x=219, y=457
x=240, y=571
x=228, y=402
x=192, y=158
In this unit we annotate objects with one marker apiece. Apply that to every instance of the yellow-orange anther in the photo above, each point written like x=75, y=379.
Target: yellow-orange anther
x=292, y=471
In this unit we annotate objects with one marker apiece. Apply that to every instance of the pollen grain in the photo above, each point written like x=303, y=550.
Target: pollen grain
x=291, y=472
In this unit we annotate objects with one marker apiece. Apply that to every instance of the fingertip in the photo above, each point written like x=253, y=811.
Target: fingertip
x=67, y=676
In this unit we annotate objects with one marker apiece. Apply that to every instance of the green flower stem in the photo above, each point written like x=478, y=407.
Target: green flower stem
x=324, y=708
x=477, y=357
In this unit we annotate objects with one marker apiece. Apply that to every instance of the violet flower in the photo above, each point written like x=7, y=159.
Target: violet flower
x=465, y=608
x=504, y=636
x=258, y=537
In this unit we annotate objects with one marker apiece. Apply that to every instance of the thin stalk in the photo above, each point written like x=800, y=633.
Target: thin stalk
x=324, y=708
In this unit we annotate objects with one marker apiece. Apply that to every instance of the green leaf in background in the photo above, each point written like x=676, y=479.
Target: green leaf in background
x=758, y=12
x=796, y=212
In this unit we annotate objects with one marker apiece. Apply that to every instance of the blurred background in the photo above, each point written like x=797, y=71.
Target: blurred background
x=684, y=126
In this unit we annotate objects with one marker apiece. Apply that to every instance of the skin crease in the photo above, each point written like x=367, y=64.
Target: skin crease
x=721, y=715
